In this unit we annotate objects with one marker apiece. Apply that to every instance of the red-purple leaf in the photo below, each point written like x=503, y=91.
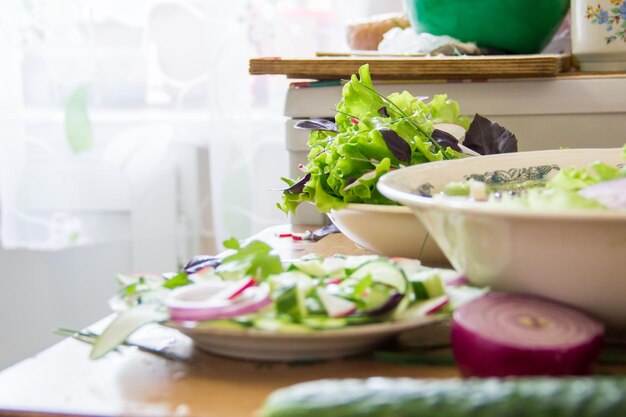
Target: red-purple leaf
x=398, y=146
x=487, y=137
x=316, y=124
x=383, y=112
x=298, y=187
x=446, y=140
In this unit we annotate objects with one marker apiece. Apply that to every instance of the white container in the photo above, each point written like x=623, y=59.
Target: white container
x=573, y=256
x=598, y=32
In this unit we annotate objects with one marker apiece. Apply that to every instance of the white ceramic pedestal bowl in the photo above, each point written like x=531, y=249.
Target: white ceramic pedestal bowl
x=577, y=257
x=389, y=231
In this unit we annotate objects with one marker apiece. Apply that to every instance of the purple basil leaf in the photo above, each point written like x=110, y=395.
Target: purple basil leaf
x=487, y=137
x=298, y=187
x=446, y=140
x=200, y=262
x=398, y=146
x=383, y=112
x=316, y=124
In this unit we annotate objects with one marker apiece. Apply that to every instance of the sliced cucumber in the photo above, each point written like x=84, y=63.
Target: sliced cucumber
x=335, y=266
x=233, y=270
x=280, y=326
x=427, y=284
x=220, y=324
x=325, y=323
x=355, y=262
x=123, y=326
x=383, y=272
x=312, y=267
x=288, y=278
x=375, y=297
x=286, y=300
x=291, y=300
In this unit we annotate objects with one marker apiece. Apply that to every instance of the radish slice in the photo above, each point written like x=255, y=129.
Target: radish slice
x=335, y=306
x=456, y=281
x=211, y=301
x=432, y=305
x=502, y=334
x=236, y=288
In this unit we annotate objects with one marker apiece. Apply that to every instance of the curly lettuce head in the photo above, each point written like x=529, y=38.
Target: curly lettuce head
x=375, y=134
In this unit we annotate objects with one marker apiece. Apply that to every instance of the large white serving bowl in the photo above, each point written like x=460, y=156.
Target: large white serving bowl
x=577, y=257
x=389, y=231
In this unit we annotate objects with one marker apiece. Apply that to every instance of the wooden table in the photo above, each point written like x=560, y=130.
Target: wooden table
x=63, y=381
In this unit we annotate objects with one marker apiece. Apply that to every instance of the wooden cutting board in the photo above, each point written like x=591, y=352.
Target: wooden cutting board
x=416, y=67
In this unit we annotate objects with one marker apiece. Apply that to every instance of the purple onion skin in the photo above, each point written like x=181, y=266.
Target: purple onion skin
x=477, y=356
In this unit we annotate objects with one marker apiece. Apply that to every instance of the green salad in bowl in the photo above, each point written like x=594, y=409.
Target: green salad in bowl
x=549, y=223
x=372, y=135
x=596, y=186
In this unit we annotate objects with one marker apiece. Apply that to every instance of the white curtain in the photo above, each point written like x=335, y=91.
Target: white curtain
x=138, y=120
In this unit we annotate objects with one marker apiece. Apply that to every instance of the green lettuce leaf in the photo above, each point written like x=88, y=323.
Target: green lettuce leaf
x=345, y=165
x=444, y=110
x=562, y=191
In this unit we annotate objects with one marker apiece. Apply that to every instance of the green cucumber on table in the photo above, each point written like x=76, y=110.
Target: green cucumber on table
x=491, y=397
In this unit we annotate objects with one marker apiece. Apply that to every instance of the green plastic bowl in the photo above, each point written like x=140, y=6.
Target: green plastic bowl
x=519, y=26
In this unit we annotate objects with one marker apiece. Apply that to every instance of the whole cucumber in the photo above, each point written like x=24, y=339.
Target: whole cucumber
x=405, y=397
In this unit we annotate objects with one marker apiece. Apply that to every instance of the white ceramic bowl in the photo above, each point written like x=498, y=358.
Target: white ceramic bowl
x=577, y=257
x=388, y=231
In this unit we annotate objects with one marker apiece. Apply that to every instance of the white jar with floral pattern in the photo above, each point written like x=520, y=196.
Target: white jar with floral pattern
x=599, y=34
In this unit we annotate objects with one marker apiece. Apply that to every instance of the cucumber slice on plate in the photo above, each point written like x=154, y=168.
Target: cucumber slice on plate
x=354, y=262
x=312, y=267
x=427, y=284
x=325, y=323
x=291, y=299
x=123, y=325
x=220, y=324
x=280, y=326
x=383, y=272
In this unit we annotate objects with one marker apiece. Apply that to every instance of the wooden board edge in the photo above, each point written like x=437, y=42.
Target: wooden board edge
x=449, y=67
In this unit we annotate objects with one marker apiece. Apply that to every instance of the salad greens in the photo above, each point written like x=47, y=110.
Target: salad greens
x=595, y=186
x=373, y=134
x=573, y=188
x=306, y=295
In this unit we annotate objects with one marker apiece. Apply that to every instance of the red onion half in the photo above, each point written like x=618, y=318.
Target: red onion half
x=210, y=301
x=502, y=334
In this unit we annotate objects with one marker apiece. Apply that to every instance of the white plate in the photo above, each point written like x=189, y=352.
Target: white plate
x=323, y=344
